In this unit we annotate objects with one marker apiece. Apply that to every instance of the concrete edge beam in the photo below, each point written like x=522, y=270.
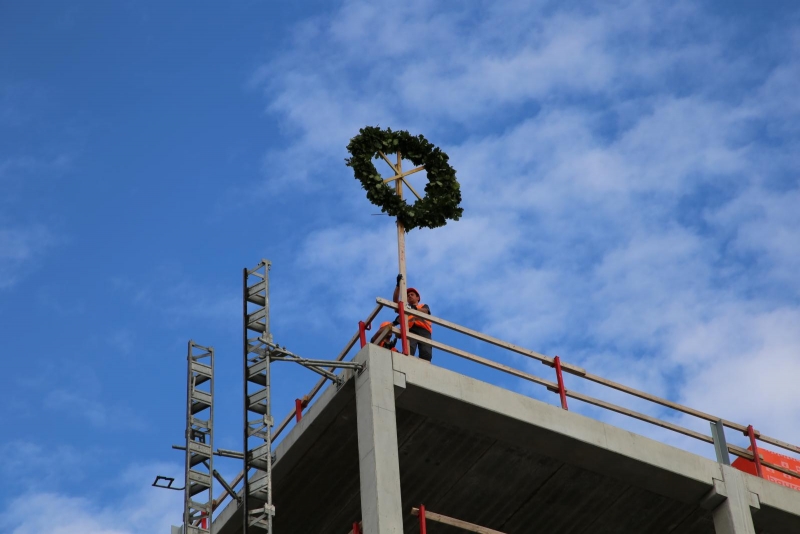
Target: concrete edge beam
x=652, y=458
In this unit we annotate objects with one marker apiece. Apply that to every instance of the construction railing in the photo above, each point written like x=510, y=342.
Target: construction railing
x=558, y=386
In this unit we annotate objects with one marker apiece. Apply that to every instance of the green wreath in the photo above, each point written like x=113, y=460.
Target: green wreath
x=442, y=192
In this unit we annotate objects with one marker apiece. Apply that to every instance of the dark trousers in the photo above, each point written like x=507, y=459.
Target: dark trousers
x=425, y=350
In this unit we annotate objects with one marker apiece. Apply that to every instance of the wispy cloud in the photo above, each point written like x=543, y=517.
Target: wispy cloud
x=629, y=182
x=129, y=505
x=21, y=248
x=179, y=300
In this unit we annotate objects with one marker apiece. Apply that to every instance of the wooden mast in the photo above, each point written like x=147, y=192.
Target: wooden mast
x=401, y=232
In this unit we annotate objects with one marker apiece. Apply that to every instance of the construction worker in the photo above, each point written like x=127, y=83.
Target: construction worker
x=387, y=342
x=416, y=325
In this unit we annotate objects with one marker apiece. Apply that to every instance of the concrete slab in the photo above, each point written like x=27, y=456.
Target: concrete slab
x=493, y=457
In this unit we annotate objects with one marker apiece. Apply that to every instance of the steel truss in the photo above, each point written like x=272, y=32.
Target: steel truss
x=199, y=439
x=257, y=507
x=259, y=352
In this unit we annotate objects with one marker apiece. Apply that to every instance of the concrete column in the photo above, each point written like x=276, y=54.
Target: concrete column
x=733, y=516
x=379, y=463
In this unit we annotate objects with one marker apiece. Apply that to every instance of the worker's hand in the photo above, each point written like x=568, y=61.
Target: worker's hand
x=399, y=278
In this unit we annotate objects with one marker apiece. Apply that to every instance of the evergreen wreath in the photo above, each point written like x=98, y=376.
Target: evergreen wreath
x=442, y=192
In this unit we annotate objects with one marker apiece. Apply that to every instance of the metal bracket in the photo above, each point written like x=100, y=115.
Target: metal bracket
x=169, y=480
x=267, y=509
x=720, y=445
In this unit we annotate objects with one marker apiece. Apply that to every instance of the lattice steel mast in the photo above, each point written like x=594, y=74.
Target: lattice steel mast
x=257, y=507
x=199, y=439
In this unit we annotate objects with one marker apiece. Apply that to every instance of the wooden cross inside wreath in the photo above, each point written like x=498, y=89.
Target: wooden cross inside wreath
x=442, y=198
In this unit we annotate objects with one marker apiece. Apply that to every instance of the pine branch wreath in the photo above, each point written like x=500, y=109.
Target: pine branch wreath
x=442, y=192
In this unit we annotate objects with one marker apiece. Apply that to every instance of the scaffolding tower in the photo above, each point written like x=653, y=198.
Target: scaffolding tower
x=199, y=439
x=257, y=507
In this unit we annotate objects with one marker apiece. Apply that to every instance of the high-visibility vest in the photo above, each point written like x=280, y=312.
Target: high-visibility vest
x=416, y=321
x=385, y=341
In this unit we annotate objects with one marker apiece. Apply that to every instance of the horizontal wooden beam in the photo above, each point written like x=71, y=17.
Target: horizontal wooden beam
x=400, y=175
x=573, y=369
x=463, y=525
x=478, y=359
x=640, y=416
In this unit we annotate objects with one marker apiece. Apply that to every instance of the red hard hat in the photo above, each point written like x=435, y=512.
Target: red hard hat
x=410, y=289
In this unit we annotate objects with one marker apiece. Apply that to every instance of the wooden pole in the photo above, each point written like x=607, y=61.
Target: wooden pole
x=401, y=233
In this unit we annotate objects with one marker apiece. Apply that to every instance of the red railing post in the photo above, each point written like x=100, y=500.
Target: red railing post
x=401, y=311
x=754, y=446
x=298, y=409
x=422, y=525
x=562, y=392
x=204, y=521
x=356, y=529
x=362, y=333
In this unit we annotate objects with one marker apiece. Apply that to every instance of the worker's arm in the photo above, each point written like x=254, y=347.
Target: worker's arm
x=397, y=289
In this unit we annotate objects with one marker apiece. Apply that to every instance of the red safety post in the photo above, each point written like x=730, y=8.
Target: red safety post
x=753, y=445
x=298, y=409
x=562, y=392
x=362, y=333
x=401, y=311
x=356, y=529
x=204, y=521
x=422, y=525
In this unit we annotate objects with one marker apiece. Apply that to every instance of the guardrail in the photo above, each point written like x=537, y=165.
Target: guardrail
x=560, y=367
x=558, y=387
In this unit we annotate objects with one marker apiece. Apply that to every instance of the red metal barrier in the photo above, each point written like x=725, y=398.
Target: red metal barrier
x=562, y=392
x=754, y=445
x=362, y=333
x=401, y=311
x=298, y=409
x=422, y=524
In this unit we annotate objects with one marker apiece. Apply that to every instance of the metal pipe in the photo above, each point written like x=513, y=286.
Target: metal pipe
x=562, y=392
x=362, y=333
x=754, y=445
x=401, y=310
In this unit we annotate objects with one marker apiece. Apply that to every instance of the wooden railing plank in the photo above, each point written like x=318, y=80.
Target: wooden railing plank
x=463, y=525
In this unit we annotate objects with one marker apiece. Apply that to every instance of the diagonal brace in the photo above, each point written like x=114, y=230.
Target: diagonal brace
x=226, y=486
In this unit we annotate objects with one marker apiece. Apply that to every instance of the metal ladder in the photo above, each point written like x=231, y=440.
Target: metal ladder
x=257, y=506
x=199, y=439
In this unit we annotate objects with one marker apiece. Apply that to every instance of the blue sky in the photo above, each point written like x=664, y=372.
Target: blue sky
x=630, y=183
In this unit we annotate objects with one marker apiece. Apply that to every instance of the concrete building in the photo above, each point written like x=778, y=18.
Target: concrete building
x=404, y=432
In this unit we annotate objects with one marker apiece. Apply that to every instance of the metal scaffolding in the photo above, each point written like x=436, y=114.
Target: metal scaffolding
x=257, y=507
x=199, y=439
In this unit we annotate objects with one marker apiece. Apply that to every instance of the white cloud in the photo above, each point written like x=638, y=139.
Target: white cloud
x=624, y=206
x=123, y=510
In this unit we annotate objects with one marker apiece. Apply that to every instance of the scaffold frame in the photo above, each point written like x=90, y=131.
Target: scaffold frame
x=257, y=507
x=199, y=457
